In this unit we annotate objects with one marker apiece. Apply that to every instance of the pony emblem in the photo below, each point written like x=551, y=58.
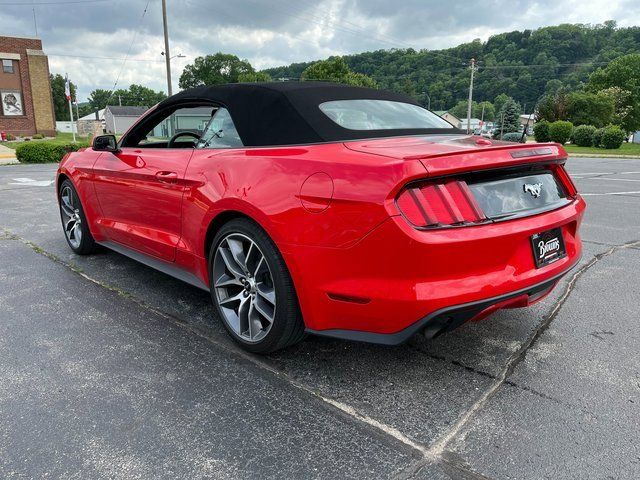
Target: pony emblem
x=533, y=188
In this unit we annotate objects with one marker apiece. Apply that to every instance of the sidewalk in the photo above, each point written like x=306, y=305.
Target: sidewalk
x=7, y=155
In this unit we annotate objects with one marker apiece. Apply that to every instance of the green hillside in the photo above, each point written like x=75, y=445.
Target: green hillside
x=521, y=64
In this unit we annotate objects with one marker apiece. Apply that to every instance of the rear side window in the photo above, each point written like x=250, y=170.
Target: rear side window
x=380, y=115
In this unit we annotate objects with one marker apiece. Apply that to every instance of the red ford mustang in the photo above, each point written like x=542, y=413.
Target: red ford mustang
x=327, y=209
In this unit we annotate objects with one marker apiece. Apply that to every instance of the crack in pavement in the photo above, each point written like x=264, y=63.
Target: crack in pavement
x=437, y=448
x=435, y=453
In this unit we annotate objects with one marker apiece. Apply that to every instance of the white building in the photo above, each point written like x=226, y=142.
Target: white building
x=118, y=119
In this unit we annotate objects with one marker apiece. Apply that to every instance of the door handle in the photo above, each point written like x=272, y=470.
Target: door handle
x=167, y=177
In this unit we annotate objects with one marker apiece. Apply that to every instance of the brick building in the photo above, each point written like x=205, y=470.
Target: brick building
x=26, y=105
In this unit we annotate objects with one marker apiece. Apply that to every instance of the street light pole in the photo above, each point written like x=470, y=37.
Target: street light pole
x=167, y=56
x=428, y=100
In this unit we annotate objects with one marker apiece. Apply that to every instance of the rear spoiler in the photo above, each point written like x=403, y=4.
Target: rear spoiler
x=502, y=156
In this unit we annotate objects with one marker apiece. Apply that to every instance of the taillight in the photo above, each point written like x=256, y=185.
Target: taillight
x=440, y=204
x=566, y=181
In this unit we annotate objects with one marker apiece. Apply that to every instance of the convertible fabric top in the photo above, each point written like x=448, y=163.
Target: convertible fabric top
x=288, y=113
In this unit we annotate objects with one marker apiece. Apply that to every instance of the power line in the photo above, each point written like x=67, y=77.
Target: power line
x=61, y=2
x=124, y=61
x=104, y=58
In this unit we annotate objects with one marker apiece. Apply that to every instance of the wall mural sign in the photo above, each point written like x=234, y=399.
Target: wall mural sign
x=11, y=103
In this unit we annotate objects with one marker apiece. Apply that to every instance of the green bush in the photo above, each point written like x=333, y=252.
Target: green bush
x=541, y=131
x=10, y=137
x=514, y=137
x=560, y=131
x=583, y=135
x=597, y=137
x=37, y=136
x=44, y=152
x=613, y=137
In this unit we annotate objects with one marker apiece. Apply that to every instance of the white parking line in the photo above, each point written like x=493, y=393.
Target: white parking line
x=30, y=182
x=580, y=174
x=610, y=179
x=608, y=193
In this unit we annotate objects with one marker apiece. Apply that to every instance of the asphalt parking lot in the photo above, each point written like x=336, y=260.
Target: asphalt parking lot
x=112, y=370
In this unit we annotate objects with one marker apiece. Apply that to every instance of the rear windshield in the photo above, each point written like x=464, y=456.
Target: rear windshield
x=380, y=115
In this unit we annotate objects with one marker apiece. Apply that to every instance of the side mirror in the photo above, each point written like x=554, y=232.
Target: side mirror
x=105, y=143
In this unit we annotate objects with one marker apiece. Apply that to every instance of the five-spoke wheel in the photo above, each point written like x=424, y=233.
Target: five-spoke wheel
x=244, y=287
x=252, y=289
x=69, y=207
x=74, y=221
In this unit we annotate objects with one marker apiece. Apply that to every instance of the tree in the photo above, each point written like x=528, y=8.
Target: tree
x=623, y=73
x=500, y=100
x=213, y=70
x=60, y=102
x=135, y=95
x=563, y=56
x=622, y=105
x=460, y=109
x=553, y=107
x=98, y=99
x=335, y=69
x=252, y=77
x=590, y=108
x=489, y=111
x=508, y=119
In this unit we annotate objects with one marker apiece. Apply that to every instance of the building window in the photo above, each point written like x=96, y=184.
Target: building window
x=7, y=66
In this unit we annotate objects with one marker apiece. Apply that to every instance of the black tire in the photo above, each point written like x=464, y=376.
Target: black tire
x=287, y=327
x=86, y=245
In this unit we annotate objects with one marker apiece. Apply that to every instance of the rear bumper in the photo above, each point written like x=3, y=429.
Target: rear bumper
x=450, y=318
x=397, y=280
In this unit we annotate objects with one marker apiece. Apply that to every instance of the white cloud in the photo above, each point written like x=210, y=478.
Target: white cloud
x=272, y=32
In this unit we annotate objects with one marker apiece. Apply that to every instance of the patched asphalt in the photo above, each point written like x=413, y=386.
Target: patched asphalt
x=113, y=370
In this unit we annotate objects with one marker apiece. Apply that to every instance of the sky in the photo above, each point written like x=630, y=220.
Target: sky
x=90, y=39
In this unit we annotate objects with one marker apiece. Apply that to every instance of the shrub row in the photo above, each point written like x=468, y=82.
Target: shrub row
x=514, y=137
x=559, y=131
x=610, y=137
x=44, y=152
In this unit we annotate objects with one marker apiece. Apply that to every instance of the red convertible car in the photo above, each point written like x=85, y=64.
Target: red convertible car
x=310, y=207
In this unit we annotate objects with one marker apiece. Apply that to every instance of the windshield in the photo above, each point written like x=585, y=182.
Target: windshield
x=380, y=115
x=220, y=132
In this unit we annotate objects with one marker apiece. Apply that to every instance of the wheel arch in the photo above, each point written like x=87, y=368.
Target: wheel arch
x=61, y=178
x=217, y=222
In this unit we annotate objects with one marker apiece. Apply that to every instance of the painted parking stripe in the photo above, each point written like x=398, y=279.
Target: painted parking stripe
x=30, y=182
x=608, y=193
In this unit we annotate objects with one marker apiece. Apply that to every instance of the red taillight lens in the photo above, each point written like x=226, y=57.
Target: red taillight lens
x=440, y=204
x=566, y=181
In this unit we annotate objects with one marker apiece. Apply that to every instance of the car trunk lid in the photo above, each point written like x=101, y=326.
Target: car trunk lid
x=473, y=180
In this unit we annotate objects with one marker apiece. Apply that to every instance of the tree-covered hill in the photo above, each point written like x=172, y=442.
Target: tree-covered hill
x=524, y=65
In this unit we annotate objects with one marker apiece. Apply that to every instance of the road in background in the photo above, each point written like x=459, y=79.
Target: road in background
x=111, y=369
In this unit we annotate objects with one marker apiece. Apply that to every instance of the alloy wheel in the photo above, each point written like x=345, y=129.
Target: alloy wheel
x=71, y=219
x=244, y=287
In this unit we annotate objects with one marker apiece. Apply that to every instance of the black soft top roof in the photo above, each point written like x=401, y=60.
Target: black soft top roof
x=287, y=113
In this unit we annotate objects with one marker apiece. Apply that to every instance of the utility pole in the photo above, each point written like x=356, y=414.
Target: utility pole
x=473, y=69
x=482, y=119
x=167, y=55
x=428, y=100
x=501, y=125
x=119, y=100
